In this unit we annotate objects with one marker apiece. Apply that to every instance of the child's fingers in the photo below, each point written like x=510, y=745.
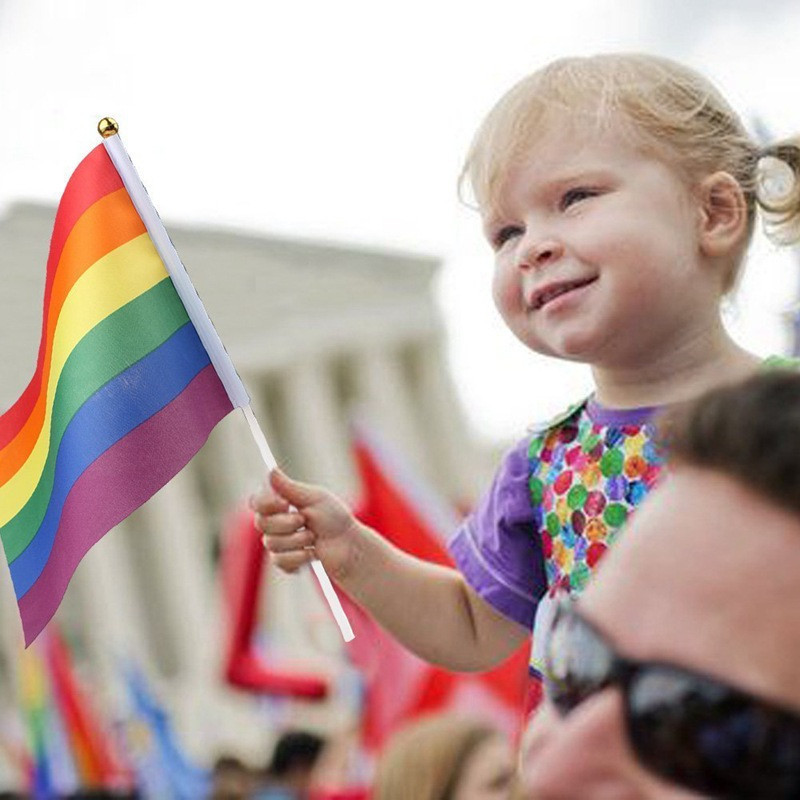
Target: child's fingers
x=297, y=493
x=279, y=524
x=291, y=562
x=267, y=502
x=289, y=543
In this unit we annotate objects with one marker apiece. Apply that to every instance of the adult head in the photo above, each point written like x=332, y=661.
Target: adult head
x=293, y=760
x=445, y=758
x=703, y=589
x=231, y=779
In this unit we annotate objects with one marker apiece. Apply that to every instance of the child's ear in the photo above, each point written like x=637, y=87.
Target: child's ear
x=723, y=214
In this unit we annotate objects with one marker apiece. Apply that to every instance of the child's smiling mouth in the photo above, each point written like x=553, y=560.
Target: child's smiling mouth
x=550, y=291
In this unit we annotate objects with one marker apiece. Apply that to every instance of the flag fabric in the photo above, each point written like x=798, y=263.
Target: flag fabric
x=162, y=768
x=60, y=760
x=122, y=397
x=70, y=745
x=399, y=685
x=96, y=762
x=35, y=701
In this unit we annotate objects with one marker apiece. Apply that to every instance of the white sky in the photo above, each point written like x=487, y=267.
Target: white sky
x=348, y=121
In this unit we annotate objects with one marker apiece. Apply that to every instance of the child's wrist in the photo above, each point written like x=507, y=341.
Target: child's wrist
x=351, y=569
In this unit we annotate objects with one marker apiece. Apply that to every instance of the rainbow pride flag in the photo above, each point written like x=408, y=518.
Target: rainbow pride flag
x=124, y=392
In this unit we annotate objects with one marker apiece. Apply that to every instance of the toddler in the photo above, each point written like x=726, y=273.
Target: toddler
x=619, y=194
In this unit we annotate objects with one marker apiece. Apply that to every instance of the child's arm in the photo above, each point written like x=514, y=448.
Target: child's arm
x=429, y=608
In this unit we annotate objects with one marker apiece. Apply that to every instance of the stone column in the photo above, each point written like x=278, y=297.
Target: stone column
x=175, y=554
x=315, y=437
x=316, y=426
x=231, y=456
x=110, y=607
x=444, y=423
x=180, y=571
x=385, y=398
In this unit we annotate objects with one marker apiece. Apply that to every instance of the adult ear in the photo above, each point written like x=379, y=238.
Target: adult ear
x=723, y=214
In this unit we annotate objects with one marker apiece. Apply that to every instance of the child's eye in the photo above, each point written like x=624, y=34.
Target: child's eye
x=504, y=234
x=572, y=196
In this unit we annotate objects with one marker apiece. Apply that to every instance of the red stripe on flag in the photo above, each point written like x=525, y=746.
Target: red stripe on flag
x=96, y=762
x=94, y=178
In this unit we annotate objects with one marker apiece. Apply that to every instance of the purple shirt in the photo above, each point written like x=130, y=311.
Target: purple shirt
x=501, y=547
x=495, y=547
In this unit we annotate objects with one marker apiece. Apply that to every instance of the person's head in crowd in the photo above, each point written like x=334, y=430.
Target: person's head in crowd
x=292, y=763
x=445, y=757
x=676, y=674
x=231, y=779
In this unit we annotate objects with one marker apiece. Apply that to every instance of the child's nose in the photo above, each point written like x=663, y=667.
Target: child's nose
x=540, y=252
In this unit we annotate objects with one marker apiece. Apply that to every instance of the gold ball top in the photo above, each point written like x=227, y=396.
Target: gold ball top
x=107, y=127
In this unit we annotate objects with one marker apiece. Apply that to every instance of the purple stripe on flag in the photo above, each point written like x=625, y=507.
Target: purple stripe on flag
x=119, y=481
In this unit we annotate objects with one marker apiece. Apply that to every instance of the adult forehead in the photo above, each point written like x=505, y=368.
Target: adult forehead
x=706, y=575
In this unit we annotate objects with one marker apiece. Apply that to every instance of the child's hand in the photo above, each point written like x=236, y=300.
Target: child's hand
x=301, y=522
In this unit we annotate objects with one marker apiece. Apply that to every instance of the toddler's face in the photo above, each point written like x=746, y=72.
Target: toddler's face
x=596, y=250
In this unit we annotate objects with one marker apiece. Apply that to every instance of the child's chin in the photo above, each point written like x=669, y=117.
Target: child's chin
x=574, y=348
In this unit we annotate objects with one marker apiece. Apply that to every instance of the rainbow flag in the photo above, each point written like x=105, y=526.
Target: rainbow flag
x=124, y=392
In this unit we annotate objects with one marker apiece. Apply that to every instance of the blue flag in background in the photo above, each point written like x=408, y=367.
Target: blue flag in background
x=162, y=768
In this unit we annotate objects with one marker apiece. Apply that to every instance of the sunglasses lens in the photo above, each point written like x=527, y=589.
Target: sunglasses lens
x=699, y=734
x=578, y=662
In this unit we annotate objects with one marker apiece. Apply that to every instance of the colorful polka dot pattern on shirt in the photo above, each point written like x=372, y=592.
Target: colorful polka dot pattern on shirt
x=585, y=479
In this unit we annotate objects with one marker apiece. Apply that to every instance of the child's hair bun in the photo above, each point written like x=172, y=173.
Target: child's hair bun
x=778, y=191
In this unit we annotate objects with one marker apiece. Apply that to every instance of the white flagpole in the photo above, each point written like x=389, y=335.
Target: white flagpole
x=239, y=398
x=319, y=570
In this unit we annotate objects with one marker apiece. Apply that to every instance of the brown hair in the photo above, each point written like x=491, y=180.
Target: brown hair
x=426, y=759
x=668, y=109
x=749, y=431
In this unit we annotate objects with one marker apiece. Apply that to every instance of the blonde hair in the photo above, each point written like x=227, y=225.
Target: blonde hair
x=426, y=759
x=671, y=111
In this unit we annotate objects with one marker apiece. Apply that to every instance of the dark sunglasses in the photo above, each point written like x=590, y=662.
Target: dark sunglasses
x=688, y=728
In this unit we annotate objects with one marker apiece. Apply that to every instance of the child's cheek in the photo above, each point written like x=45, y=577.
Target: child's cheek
x=506, y=291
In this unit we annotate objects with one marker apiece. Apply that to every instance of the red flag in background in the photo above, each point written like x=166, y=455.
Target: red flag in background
x=242, y=567
x=97, y=764
x=399, y=685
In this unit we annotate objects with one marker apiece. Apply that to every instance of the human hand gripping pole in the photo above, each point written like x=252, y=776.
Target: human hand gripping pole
x=219, y=357
x=319, y=570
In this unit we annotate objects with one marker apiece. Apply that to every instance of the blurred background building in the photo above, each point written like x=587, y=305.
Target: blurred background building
x=317, y=332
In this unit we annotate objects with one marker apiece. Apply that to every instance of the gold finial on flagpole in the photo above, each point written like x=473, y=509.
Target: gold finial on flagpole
x=107, y=127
